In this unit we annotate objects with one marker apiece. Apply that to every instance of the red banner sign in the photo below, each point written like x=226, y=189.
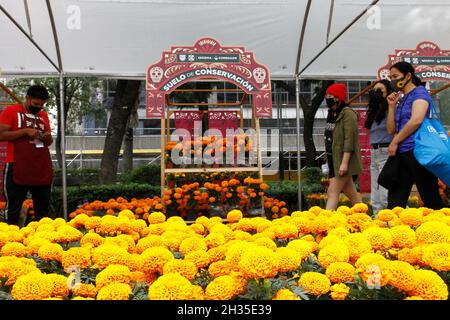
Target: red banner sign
x=430, y=62
x=205, y=60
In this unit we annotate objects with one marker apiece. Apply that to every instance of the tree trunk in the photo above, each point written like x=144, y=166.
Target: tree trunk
x=127, y=158
x=126, y=95
x=133, y=121
x=309, y=113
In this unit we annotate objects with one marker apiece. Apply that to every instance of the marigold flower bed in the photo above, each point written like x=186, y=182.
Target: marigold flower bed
x=314, y=254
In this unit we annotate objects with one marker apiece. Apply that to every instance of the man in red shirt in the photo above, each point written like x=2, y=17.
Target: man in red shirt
x=28, y=161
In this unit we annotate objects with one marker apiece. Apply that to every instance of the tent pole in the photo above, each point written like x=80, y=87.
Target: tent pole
x=63, y=144
x=299, y=153
x=374, y=2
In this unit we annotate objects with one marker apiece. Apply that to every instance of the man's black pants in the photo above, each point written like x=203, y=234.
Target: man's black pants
x=15, y=195
x=410, y=172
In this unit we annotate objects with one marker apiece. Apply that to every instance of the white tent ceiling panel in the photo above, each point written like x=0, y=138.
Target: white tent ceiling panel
x=361, y=50
x=121, y=38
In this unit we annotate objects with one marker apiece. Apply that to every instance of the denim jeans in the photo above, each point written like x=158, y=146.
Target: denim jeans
x=378, y=194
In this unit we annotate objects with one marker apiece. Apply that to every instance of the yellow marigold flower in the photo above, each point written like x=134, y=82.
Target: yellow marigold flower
x=93, y=223
x=185, y=268
x=123, y=224
x=437, y=256
x=51, y=251
x=340, y=232
x=234, y=216
x=107, y=254
x=156, y=217
x=154, y=259
x=373, y=269
x=223, y=229
x=197, y=293
x=315, y=209
x=217, y=253
x=171, y=286
x=411, y=217
x=235, y=251
x=79, y=220
x=414, y=298
x=199, y=257
x=60, y=288
x=113, y=274
x=245, y=224
x=360, y=208
x=266, y=242
x=288, y=259
x=315, y=283
x=32, y=286
x=368, y=259
x=198, y=228
x=115, y=291
x=339, y=291
x=242, y=235
x=215, y=239
x=82, y=298
x=11, y=270
x=173, y=239
x=330, y=239
x=45, y=227
x=385, y=215
x=130, y=244
x=137, y=276
x=26, y=232
x=401, y=275
x=403, y=237
x=340, y=272
x=149, y=242
x=14, y=249
x=219, y=268
x=412, y=256
x=379, y=238
x=138, y=225
x=285, y=294
x=429, y=285
x=193, y=244
x=85, y=290
x=358, y=220
x=80, y=257
x=3, y=238
x=303, y=224
x=336, y=252
x=221, y=288
x=92, y=238
x=337, y=220
x=263, y=226
x=259, y=262
x=286, y=231
x=15, y=236
x=127, y=214
x=320, y=224
x=305, y=248
x=433, y=232
x=69, y=234
x=203, y=221
x=134, y=262
x=344, y=210
x=34, y=244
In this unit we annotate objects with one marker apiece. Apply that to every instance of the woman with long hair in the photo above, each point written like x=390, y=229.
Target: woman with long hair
x=408, y=106
x=342, y=137
x=380, y=139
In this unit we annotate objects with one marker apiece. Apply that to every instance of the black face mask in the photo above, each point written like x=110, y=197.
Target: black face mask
x=330, y=102
x=33, y=109
x=376, y=96
x=398, y=84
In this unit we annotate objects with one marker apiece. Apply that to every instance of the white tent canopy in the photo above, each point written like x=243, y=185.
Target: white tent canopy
x=120, y=38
